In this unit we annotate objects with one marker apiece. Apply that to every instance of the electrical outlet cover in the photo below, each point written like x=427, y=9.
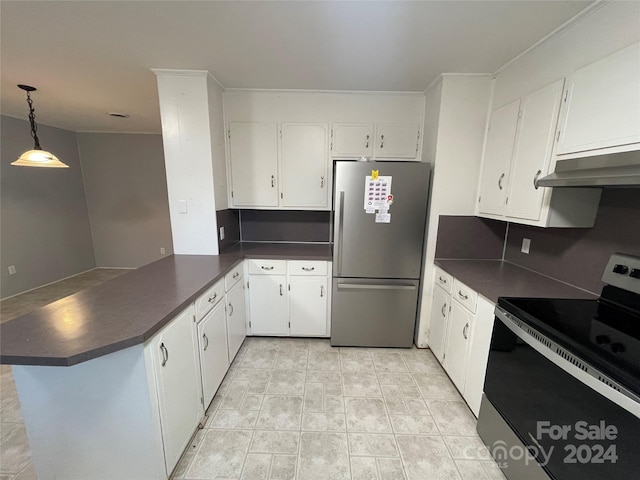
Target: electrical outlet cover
x=526, y=245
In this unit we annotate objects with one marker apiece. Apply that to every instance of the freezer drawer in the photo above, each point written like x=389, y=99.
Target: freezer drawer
x=373, y=312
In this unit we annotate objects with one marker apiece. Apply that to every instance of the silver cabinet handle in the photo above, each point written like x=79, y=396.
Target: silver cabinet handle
x=231, y=308
x=500, y=181
x=444, y=310
x=165, y=354
x=321, y=291
x=308, y=269
x=465, y=330
x=280, y=289
x=206, y=341
x=340, y=229
x=322, y=181
x=273, y=181
x=381, y=141
x=443, y=280
x=266, y=268
x=462, y=295
x=213, y=299
x=535, y=179
x=357, y=286
x=235, y=275
x=366, y=145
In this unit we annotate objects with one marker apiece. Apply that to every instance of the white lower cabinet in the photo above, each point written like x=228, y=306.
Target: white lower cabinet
x=176, y=364
x=459, y=336
x=236, y=319
x=214, y=360
x=292, y=301
x=308, y=306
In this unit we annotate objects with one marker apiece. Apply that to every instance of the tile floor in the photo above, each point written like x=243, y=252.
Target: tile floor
x=15, y=456
x=301, y=409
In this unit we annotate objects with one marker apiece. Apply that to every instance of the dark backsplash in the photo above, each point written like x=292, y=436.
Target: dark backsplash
x=470, y=237
x=230, y=220
x=285, y=226
x=578, y=255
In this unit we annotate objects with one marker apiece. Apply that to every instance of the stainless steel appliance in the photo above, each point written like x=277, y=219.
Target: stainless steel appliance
x=562, y=389
x=379, y=228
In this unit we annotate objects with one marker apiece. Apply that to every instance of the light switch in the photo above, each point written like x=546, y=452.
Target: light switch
x=182, y=206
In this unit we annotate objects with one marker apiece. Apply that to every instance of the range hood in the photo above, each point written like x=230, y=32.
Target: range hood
x=612, y=170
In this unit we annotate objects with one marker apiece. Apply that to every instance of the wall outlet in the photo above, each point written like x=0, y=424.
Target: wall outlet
x=526, y=245
x=161, y=250
x=12, y=269
x=221, y=233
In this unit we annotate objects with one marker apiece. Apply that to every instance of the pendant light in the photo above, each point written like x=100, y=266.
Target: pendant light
x=36, y=157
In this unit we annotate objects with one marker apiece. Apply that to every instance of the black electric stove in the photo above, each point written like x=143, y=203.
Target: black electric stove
x=563, y=365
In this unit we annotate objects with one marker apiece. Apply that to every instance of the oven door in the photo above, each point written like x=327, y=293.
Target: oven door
x=574, y=431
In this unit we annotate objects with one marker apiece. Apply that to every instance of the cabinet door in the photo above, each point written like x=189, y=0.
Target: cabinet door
x=440, y=308
x=479, y=341
x=352, y=140
x=532, y=152
x=396, y=141
x=253, y=158
x=268, y=305
x=497, y=158
x=214, y=360
x=304, y=165
x=236, y=327
x=179, y=397
x=457, y=343
x=308, y=306
x=602, y=108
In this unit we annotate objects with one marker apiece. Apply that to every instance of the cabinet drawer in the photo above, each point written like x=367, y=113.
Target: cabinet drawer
x=209, y=299
x=267, y=267
x=233, y=276
x=443, y=279
x=465, y=295
x=301, y=267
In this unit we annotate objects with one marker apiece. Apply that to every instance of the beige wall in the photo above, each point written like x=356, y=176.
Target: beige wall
x=44, y=224
x=124, y=176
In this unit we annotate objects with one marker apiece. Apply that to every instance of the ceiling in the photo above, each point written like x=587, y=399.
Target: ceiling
x=91, y=57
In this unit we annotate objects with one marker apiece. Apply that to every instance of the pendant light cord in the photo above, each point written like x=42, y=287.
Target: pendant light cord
x=32, y=121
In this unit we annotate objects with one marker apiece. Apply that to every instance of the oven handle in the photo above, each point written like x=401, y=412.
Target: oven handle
x=558, y=355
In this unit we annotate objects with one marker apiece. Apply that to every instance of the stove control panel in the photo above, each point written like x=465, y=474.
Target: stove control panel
x=623, y=271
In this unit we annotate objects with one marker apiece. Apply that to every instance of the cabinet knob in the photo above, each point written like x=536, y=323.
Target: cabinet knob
x=462, y=295
x=280, y=289
x=213, y=299
x=444, y=310
x=321, y=291
x=273, y=181
x=165, y=354
x=235, y=275
x=465, y=331
x=500, y=181
x=266, y=268
x=230, y=309
x=205, y=340
x=442, y=280
x=322, y=182
x=308, y=269
x=381, y=141
x=366, y=145
x=535, y=179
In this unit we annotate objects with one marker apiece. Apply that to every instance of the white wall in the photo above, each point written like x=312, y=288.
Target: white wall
x=456, y=112
x=603, y=31
x=186, y=102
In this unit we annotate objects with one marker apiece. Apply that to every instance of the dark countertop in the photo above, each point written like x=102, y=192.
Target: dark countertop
x=129, y=309
x=497, y=278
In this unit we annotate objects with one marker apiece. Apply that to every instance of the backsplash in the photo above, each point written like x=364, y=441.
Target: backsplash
x=576, y=256
x=285, y=226
x=230, y=220
x=470, y=237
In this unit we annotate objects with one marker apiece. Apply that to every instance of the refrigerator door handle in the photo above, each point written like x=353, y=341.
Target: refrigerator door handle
x=357, y=286
x=340, y=230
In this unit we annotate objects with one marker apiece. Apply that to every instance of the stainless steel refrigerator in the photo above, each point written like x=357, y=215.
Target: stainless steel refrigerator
x=380, y=211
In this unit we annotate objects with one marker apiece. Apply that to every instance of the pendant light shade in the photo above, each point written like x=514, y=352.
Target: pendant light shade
x=36, y=157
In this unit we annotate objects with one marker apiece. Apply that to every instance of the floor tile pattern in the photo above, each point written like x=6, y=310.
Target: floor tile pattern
x=299, y=409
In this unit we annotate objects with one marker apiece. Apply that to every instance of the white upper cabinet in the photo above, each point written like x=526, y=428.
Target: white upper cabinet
x=396, y=141
x=497, y=158
x=518, y=151
x=352, y=140
x=253, y=158
x=532, y=151
x=602, y=105
x=304, y=165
